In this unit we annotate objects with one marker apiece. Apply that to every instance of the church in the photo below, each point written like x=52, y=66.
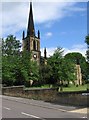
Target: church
x=31, y=42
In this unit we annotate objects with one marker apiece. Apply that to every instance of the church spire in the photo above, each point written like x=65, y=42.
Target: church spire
x=30, y=29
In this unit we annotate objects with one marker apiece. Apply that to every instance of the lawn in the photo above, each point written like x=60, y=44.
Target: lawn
x=74, y=88
x=43, y=86
x=70, y=88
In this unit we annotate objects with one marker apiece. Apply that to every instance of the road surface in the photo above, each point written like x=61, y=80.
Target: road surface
x=13, y=107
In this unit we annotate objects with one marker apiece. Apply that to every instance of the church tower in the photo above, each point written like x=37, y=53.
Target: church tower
x=31, y=42
x=79, y=73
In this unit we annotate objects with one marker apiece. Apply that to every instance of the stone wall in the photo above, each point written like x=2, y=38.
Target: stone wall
x=50, y=95
x=36, y=93
x=78, y=98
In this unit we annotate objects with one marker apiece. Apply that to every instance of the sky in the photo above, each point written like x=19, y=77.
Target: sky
x=61, y=24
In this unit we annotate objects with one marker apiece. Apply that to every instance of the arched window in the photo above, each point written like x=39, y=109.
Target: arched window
x=37, y=45
x=34, y=45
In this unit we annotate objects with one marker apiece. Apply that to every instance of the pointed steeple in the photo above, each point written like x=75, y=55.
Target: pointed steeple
x=45, y=53
x=30, y=29
x=38, y=34
x=23, y=36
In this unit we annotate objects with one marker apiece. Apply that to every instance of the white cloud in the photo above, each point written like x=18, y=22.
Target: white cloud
x=46, y=0
x=13, y=18
x=63, y=33
x=77, y=9
x=0, y=19
x=76, y=48
x=49, y=24
x=15, y=14
x=47, y=12
x=48, y=34
x=50, y=51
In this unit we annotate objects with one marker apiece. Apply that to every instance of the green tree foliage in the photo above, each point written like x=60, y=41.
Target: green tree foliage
x=10, y=58
x=55, y=62
x=78, y=58
x=68, y=71
x=75, y=57
x=17, y=67
x=34, y=73
x=87, y=54
x=62, y=69
x=0, y=61
x=87, y=42
x=10, y=46
x=7, y=74
x=45, y=74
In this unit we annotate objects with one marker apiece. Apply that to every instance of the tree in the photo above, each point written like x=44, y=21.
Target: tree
x=75, y=57
x=55, y=62
x=30, y=67
x=78, y=58
x=10, y=56
x=0, y=61
x=10, y=46
x=68, y=70
x=7, y=75
x=87, y=54
x=87, y=42
x=62, y=69
x=17, y=66
x=45, y=74
x=34, y=74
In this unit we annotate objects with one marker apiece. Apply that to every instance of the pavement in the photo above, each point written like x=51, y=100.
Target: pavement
x=81, y=110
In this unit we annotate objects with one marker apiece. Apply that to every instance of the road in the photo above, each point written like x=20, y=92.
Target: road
x=13, y=107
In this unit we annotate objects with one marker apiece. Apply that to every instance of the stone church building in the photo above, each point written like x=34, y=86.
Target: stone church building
x=31, y=42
